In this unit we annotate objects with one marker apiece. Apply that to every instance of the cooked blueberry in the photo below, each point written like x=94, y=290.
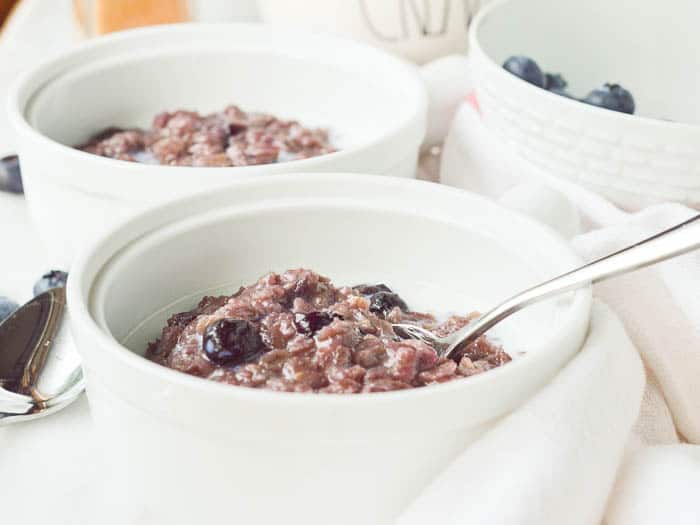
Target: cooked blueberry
x=611, y=96
x=312, y=322
x=7, y=306
x=53, y=279
x=381, y=303
x=235, y=129
x=525, y=68
x=230, y=342
x=554, y=82
x=369, y=289
x=10, y=175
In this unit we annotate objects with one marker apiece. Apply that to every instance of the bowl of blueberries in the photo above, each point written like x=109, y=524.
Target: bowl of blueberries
x=608, y=108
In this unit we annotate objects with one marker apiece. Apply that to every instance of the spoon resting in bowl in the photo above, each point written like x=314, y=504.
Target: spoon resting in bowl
x=674, y=241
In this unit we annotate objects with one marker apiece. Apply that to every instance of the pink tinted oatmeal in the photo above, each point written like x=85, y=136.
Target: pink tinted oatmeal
x=231, y=137
x=297, y=332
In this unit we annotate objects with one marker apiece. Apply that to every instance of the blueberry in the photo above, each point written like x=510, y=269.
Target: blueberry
x=611, y=96
x=10, y=175
x=7, y=306
x=554, y=82
x=313, y=321
x=369, y=289
x=53, y=279
x=381, y=303
x=235, y=128
x=525, y=68
x=229, y=342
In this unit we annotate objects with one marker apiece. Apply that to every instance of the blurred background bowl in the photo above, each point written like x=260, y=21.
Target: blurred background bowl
x=418, y=30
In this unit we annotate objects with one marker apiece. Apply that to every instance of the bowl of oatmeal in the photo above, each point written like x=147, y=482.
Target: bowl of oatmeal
x=135, y=118
x=238, y=343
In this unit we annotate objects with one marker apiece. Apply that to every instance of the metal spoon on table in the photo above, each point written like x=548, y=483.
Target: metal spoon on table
x=677, y=240
x=40, y=370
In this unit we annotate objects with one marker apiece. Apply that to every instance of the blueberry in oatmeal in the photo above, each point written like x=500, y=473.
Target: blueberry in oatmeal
x=232, y=342
x=312, y=322
x=297, y=332
x=370, y=289
x=231, y=137
x=381, y=303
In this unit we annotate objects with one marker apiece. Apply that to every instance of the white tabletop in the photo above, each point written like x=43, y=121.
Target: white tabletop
x=49, y=469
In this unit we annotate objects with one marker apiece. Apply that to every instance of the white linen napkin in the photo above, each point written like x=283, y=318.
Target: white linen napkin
x=660, y=309
x=555, y=459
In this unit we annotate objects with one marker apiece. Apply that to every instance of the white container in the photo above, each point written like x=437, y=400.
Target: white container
x=374, y=105
x=186, y=450
x=419, y=30
x=634, y=160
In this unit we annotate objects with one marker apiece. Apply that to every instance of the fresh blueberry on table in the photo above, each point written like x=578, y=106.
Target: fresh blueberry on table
x=525, y=68
x=7, y=306
x=611, y=96
x=381, y=303
x=52, y=279
x=229, y=342
x=10, y=175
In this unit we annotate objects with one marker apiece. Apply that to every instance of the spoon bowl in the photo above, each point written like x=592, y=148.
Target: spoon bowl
x=40, y=370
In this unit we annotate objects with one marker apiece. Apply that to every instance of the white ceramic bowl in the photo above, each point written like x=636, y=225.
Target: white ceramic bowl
x=176, y=441
x=373, y=103
x=645, y=46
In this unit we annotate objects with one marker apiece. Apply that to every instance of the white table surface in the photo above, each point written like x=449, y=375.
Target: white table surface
x=49, y=468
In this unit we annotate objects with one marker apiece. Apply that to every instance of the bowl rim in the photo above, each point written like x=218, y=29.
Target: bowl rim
x=26, y=87
x=127, y=231
x=494, y=9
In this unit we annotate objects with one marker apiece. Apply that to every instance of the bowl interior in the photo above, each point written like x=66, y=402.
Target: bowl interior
x=648, y=47
x=453, y=259
x=356, y=92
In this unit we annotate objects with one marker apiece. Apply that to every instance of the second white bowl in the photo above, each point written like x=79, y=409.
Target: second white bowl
x=374, y=105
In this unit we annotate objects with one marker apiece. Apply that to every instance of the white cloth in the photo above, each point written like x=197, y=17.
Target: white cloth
x=658, y=480
x=554, y=461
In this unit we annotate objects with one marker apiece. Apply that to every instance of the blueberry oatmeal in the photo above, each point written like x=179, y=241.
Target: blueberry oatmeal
x=230, y=137
x=297, y=332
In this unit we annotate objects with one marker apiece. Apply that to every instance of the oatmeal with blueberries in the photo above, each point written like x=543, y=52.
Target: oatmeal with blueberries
x=231, y=137
x=297, y=332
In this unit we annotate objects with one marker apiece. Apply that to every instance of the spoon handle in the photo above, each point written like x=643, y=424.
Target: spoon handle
x=677, y=240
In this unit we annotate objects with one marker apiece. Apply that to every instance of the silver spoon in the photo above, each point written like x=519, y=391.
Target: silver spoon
x=679, y=239
x=40, y=369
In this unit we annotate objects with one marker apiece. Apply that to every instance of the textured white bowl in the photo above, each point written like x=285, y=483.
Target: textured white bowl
x=175, y=441
x=373, y=103
x=645, y=46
